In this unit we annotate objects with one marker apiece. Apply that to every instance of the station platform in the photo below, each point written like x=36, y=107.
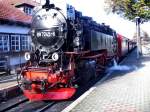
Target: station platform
x=126, y=88
x=8, y=87
x=8, y=81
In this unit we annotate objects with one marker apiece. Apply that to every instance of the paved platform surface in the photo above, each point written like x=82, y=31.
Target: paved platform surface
x=126, y=89
x=6, y=85
x=8, y=81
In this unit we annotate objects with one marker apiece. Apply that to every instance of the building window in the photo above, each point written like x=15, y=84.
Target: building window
x=28, y=10
x=4, y=43
x=25, y=42
x=15, y=42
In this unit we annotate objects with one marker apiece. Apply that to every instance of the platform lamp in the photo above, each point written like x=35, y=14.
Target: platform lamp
x=138, y=39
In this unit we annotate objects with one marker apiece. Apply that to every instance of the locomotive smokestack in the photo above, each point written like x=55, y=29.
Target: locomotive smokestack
x=48, y=6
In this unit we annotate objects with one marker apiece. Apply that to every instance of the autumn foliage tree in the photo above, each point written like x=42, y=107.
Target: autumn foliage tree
x=129, y=8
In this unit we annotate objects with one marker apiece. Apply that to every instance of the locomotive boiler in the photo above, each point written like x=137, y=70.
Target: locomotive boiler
x=66, y=51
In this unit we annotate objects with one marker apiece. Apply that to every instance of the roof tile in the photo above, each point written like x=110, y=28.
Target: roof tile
x=9, y=12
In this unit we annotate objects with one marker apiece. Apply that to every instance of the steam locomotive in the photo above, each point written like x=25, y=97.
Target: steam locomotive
x=67, y=51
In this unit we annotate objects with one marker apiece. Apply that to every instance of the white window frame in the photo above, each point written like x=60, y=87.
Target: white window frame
x=25, y=42
x=5, y=43
x=14, y=42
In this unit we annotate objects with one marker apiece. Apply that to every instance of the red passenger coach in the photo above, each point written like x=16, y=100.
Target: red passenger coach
x=119, y=41
x=67, y=50
x=125, y=45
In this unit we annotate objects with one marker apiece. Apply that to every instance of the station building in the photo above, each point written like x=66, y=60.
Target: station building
x=15, y=19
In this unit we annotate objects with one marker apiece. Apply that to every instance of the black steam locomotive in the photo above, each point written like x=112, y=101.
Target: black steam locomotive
x=66, y=52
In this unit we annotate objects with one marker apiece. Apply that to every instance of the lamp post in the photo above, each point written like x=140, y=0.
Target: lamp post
x=138, y=39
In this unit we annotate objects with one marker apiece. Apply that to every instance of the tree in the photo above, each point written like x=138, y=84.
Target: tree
x=129, y=8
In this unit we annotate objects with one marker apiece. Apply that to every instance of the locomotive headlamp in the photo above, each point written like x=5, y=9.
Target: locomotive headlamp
x=32, y=32
x=27, y=56
x=55, y=56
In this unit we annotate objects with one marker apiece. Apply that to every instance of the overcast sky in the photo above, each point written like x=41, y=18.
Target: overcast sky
x=95, y=9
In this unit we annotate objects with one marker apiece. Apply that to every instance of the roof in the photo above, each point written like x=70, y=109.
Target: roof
x=10, y=13
x=24, y=4
x=19, y=2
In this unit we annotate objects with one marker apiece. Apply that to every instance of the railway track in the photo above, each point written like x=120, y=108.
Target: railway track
x=46, y=107
x=24, y=105
x=8, y=106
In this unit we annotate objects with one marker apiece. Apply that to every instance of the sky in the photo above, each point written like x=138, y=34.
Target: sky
x=95, y=9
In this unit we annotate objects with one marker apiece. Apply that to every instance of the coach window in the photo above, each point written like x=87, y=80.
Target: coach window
x=15, y=42
x=4, y=43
